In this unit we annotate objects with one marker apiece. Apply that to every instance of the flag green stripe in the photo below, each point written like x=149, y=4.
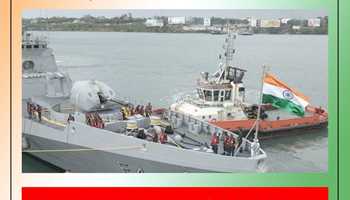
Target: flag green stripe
x=284, y=104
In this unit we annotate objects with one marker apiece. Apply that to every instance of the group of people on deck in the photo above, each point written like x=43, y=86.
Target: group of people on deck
x=130, y=110
x=94, y=119
x=32, y=109
x=155, y=133
x=229, y=144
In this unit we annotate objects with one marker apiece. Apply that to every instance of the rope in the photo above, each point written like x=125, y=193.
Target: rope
x=50, y=121
x=82, y=149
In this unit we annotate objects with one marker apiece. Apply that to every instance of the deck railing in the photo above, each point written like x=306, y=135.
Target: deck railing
x=203, y=127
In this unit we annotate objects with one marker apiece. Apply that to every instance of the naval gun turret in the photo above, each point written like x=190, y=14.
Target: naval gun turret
x=92, y=95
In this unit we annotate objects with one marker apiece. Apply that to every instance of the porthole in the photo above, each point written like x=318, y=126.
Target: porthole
x=28, y=65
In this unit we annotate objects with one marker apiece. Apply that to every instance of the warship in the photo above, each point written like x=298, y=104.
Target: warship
x=220, y=99
x=83, y=126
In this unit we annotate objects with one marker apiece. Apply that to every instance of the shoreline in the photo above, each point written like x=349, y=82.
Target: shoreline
x=179, y=32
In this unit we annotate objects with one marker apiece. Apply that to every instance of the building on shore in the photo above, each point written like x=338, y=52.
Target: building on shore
x=270, y=23
x=294, y=27
x=316, y=22
x=195, y=28
x=285, y=20
x=206, y=21
x=176, y=20
x=252, y=22
x=154, y=23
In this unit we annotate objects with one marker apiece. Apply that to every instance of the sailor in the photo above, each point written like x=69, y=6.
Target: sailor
x=99, y=121
x=29, y=109
x=123, y=113
x=232, y=145
x=141, y=134
x=137, y=109
x=131, y=108
x=148, y=109
x=39, y=109
x=215, y=142
x=142, y=110
x=87, y=119
x=240, y=141
x=70, y=118
x=226, y=144
x=127, y=111
x=32, y=110
x=155, y=137
x=163, y=137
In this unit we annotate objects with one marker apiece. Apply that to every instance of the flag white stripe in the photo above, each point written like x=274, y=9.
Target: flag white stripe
x=278, y=92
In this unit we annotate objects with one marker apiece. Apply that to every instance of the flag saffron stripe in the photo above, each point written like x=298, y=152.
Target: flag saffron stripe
x=272, y=80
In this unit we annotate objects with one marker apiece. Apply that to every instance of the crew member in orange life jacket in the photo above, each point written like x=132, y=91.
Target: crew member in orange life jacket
x=226, y=144
x=215, y=142
x=232, y=145
x=163, y=138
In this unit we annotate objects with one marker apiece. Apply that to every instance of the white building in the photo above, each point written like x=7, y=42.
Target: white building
x=176, y=20
x=154, y=23
x=284, y=20
x=206, y=21
x=314, y=22
x=252, y=22
x=270, y=23
x=296, y=27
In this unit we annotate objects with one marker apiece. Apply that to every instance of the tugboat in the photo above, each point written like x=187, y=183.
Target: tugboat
x=84, y=126
x=221, y=100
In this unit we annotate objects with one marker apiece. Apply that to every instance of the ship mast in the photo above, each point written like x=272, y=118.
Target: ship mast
x=229, y=50
x=259, y=106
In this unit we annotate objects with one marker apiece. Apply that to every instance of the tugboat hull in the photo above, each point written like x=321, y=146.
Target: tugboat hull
x=269, y=128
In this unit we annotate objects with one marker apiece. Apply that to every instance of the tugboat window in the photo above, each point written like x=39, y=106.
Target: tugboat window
x=28, y=65
x=228, y=95
x=208, y=95
x=216, y=95
x=200, y=94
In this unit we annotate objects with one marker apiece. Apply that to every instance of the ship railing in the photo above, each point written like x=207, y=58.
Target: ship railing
x=197, y=101
x=55, y=118
x=199, y=126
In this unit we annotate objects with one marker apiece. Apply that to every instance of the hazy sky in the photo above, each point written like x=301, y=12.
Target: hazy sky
x=195, y=13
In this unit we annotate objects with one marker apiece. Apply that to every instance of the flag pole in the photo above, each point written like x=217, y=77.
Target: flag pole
x=259, y=106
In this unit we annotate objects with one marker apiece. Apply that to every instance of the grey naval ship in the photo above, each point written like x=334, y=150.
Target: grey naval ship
x=83, y=126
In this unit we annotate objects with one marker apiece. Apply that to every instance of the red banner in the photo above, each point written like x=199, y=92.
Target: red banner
x=175, y=193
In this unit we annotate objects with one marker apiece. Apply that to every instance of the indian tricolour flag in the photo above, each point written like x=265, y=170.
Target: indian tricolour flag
x=280, y=95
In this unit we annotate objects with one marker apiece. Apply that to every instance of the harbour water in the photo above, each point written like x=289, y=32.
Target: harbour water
x=160, y=67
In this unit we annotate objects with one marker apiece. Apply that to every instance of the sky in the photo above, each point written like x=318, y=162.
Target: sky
x=261, y=14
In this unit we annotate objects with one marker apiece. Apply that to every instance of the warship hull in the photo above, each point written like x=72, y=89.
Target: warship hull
x=80, y=148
